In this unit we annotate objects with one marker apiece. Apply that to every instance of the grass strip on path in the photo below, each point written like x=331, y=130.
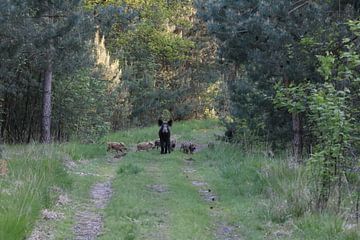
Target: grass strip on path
x=153, y=200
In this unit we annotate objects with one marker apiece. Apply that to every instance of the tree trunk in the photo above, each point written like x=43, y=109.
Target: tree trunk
x=297, y=139
x=46, y=111
x=3, y=118
x=297, y=130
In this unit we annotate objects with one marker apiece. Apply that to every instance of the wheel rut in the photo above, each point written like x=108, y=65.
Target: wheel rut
x=222, y=230
x=86, y=214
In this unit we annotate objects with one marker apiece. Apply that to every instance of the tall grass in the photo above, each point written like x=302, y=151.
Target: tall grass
x=78, y=151
x=35, y=172
x=275, y=192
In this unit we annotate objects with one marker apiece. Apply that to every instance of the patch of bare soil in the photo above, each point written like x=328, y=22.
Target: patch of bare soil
x=89, y=225
x=101, y=193
x=159, y=188
x=89, y=222
x=41, y=232
x=51, y=215
x=44, y=231
x=225, y=232
x=199, y=183
x=207, y=195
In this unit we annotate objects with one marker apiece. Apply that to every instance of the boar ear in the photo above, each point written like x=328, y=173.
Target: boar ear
x=160, y=122
x=170, y=122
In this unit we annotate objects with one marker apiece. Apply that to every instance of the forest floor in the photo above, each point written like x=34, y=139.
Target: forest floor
x=143, y=195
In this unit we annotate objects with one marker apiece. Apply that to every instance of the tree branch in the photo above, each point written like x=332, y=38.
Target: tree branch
x=298, y=7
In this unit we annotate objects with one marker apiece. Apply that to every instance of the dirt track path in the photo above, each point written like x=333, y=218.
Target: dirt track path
x=89, y=221
x=81, y=215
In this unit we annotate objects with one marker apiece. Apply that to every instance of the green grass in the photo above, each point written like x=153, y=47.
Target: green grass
x=34, y=171
x=260, y=198
x=324, y=226
x=266, y=197
x=78, y=151
x=138, y=212
x=133, y=136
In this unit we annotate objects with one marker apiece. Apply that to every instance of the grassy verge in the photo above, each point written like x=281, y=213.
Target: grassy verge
x=34, y=173
x=78, y=151
x=267, y=198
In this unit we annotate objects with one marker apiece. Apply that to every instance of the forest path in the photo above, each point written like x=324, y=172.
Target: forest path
x=144, y=195
x=164, y=197
x=89, y=222
x=79, y=214
x=168, y=197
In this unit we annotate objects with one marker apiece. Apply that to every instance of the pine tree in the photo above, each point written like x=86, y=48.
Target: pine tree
x=273, y=40
x=58, y=22
x=43, y=39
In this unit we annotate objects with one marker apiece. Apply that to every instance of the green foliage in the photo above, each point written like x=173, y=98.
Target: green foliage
x=89, y=121
x=157, y=55
x=329, y=108
x=329, y=113
x=47, y=32
x=154, y=43
x=168, y=47
x=326, y=65
x=313, y=83
x=292, y=98
x=261, y=44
